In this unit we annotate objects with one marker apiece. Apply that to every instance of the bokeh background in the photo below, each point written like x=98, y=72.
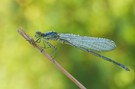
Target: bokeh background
x=24, y=67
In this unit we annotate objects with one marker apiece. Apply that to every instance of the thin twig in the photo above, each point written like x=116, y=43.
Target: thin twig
x=32, y=42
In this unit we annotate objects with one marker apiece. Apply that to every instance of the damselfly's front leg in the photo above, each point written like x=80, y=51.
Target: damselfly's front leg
x=38, y=40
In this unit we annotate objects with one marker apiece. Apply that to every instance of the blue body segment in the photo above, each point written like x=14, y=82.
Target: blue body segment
x=89, y=44
x=50, y=35
x=53, y=34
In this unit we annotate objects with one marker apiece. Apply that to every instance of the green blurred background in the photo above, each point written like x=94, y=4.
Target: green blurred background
x=24, y=67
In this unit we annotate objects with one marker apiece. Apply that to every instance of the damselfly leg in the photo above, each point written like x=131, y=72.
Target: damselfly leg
x=49, y=45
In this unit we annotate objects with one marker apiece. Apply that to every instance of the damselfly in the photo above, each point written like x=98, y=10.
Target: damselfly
x=89, y=44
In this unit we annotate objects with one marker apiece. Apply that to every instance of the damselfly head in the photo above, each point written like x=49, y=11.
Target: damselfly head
x=38, y=34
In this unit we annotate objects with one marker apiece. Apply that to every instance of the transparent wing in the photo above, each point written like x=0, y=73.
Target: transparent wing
x=88, y=43
x=91, y=44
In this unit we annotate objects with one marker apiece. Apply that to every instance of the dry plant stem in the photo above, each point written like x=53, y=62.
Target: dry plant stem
x=32, y=42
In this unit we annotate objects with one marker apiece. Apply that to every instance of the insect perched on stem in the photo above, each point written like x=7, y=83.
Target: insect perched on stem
x=89, y=44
